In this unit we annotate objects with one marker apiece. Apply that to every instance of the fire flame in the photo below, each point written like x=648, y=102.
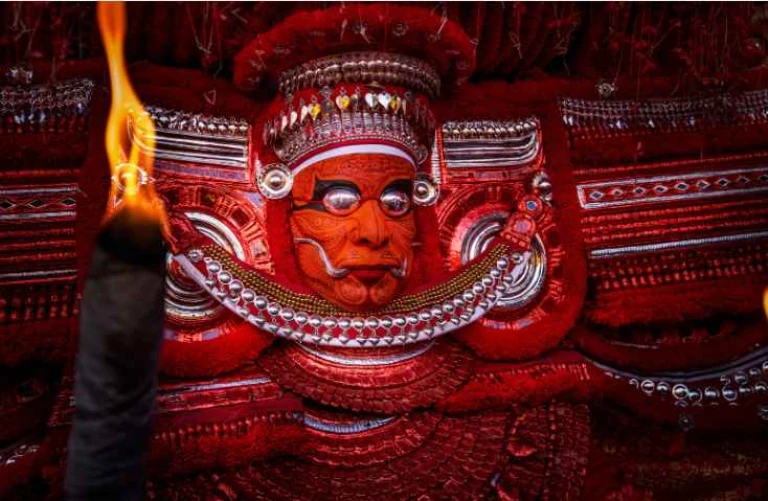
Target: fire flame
x=131, y=166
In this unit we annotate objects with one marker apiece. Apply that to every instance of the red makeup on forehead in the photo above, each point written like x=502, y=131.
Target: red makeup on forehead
x=369, y=172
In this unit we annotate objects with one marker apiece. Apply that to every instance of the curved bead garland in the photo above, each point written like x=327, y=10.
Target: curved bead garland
x=439, y=314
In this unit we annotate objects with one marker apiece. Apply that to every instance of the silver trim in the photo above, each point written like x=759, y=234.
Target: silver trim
x=70, y=190
x=214, y=386
x=530, y=282
x=735, y=190
x=38, y=215
x=369, y=361
x=359, y=426
x=38, y=274
x=675, y=244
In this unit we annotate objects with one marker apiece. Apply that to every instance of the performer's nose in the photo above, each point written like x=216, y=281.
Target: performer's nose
x=371, y=227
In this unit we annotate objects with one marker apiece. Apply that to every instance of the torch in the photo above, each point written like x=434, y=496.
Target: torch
x=122, y=311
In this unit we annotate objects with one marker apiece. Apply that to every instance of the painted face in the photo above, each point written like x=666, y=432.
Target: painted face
x=353, y=228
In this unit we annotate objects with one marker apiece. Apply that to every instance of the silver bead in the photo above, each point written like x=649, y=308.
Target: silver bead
x=301, y=318
x=495, y=273
x=711, y=393
x=224, y=277
x=740, y=378
x=502, y=263
x=248, y=295
x=344, y=323
x=478, y=288
x=386, y=322
x=729, y=394
x=487, y=281
x=694, y=395
x=447, y=307
x=236, y=287
x=647, y=386
x=400, y=321
x=195, y=255
x=412, y=318
x=329, y=323
x=287, y=314
x=517, y=258
x=358, y=323
x=662, y=388
x=425, y=315
x=372, y=323
x=680, y=391
x=315, y=321
x=214, y=267
x=468, y=296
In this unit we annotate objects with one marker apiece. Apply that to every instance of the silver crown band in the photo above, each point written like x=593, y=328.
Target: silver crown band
x=363, y=68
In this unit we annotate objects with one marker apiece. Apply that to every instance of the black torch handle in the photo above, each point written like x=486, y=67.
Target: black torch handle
x=121, y=329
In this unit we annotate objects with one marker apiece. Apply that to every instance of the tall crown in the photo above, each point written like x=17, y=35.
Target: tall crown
x=359, y=101
x=363, y=89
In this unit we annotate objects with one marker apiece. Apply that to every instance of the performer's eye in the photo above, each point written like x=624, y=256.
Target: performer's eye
x=395, y=202
x=341, y=201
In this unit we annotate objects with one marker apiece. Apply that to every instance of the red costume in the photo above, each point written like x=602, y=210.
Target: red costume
x=391, y=283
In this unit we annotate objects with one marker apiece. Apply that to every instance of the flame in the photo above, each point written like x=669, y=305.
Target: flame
x=130, y=165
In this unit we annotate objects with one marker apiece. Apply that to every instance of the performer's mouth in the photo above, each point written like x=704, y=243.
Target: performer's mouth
x=369, y=275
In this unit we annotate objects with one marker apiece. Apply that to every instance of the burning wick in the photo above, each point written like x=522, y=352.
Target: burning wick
x=122, y=311
x=128, y=123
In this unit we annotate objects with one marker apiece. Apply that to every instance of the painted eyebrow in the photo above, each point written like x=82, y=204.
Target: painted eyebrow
x=400, y=184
